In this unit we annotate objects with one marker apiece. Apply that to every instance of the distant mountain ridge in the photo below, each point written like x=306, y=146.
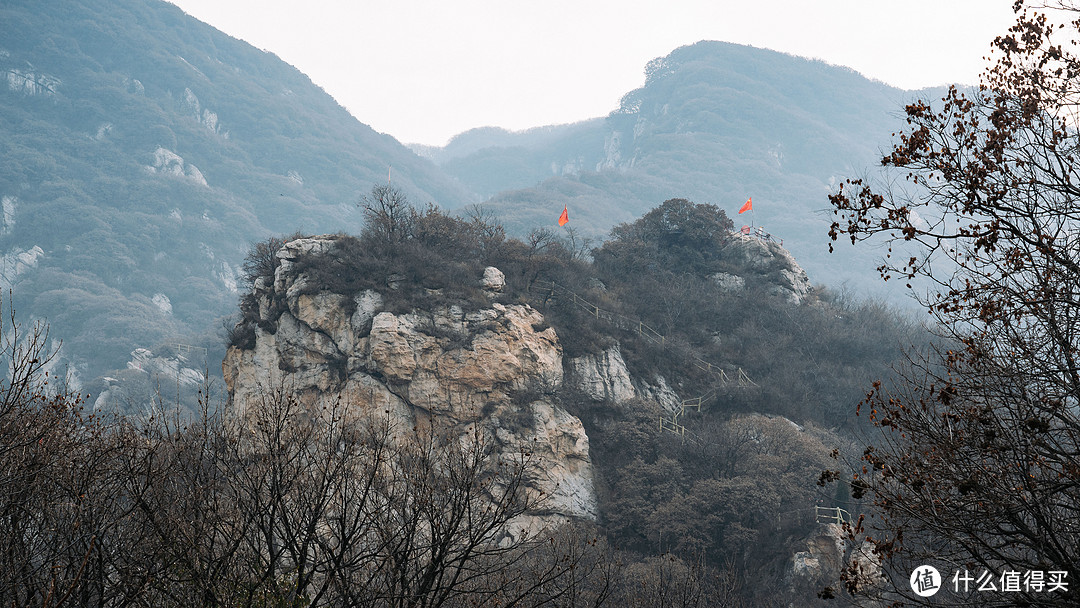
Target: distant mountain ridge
x=144, y=151
x=715, y=122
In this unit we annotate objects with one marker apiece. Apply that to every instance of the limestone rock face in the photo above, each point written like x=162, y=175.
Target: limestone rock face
x=829, y=551
x=870, y=571
x=173, y=368
x=661, y=393
x=7, y=213
x=32, y=83
x=450, y=366
x=18, y=262
x=167, y=162
x=603, y=377
x=769, y=262
x=728, y=282
x=805, y=565
x=824, y=555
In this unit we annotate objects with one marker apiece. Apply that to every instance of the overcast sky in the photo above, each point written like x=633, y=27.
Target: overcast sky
x=425, y=70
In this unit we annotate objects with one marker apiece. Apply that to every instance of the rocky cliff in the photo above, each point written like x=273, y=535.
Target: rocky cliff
x=766, y=262
x=604, y=377
x=498, y=366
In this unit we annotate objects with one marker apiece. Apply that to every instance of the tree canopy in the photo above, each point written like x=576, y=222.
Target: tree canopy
x=678, y=235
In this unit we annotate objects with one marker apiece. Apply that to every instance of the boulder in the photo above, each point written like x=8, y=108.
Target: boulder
x=493, y=280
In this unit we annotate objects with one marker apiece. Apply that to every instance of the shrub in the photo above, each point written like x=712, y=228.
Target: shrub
x=261, y=261
x=240, y=334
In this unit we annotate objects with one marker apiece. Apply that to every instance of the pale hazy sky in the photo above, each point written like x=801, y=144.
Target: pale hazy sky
x=425, y=70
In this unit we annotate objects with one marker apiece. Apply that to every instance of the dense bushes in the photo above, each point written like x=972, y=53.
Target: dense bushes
x=421, y=258
x=736, y=491
x=812, y=360
x=678, y=236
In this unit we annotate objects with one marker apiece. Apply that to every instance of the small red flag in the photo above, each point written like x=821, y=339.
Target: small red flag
x=747, y=206
x=564, y=217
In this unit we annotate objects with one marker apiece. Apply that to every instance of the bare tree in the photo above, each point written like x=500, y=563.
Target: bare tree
x=488, y=229
x=447, y=518
x=293, y=502
x=977, y=466
x=577, y=245
x=58, y=514
x=387, y=214
x=261, y=261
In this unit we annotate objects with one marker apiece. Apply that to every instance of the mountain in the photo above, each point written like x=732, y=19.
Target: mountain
x=715, y=122
x=143, y=152
x=682, y=390
x=681, y=386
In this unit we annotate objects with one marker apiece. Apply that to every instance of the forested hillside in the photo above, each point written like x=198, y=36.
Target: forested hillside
x=635, y=320
x=466, y=406
x=143, y=151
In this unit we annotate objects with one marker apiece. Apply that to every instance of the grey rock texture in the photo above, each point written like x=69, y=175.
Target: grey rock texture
x=766, y=261
x=448, y=366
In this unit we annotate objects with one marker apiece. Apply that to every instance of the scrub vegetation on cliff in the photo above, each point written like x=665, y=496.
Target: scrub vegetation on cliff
x=810, y=353
x=736, y=493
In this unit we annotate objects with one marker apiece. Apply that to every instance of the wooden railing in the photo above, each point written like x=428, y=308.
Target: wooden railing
x=831, y=515
x=183, y=350
x=620, y=321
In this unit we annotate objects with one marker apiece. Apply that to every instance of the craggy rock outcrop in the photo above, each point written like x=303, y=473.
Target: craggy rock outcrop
x=451, y=366
x=829, y=552
x=605, y=377
x=18, y=262
x=767, y=261
x=174, y=368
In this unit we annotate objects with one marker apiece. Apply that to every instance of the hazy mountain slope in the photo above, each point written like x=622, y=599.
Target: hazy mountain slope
x=715, y=122
x=144, y=150
x=490, y=160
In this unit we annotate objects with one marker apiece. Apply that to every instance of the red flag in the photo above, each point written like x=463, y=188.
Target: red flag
x=747, y=206
x=564, y=217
